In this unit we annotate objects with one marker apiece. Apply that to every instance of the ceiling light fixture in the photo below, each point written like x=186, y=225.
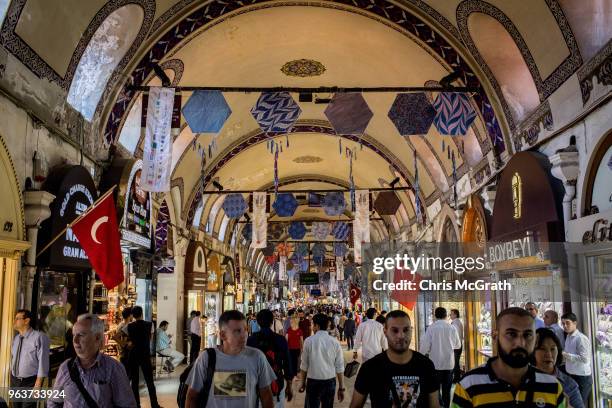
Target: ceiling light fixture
x=159, y=72
x=217, y=185
x=446, y=81
x=394, y=182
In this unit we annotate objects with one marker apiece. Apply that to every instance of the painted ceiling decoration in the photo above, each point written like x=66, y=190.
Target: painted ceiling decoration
x=303, y=68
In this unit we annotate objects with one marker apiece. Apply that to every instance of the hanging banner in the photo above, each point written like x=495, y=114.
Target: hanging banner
x=260, y=220
x=340, y=268
x=282, y=268
x=157, y=154
x=361, y=223
x=333, y=286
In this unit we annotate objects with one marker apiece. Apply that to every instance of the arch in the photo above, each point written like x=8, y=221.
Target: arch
x=446, y=218
x=599, y=177
x=591, y=22
x=388, y=13
x=106, y=48
x=20, y=49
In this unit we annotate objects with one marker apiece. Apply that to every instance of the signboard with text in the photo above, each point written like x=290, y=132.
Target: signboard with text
x=309, y=279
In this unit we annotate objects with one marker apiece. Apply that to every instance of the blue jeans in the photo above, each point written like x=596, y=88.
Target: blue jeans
x=320, y=393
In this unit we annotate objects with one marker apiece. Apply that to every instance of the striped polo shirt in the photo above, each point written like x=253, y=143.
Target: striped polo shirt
x=481, y=388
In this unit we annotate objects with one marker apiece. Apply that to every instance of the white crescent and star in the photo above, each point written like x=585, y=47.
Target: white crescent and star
x=95, y=226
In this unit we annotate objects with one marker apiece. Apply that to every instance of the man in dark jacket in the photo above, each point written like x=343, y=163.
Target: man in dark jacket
x=266, y=340
x=139, y=332
x=349, y=331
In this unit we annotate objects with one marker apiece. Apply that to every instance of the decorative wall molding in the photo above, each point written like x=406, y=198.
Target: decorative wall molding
x=20, y=49
x=600, y=67
x=529, y=130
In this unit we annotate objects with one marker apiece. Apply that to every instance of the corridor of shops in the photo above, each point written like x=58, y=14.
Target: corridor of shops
x=201, y=200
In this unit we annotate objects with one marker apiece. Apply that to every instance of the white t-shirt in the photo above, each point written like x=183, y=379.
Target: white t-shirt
x=236, y=379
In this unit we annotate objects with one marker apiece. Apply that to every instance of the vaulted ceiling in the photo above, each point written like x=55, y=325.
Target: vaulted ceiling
x=499, y=47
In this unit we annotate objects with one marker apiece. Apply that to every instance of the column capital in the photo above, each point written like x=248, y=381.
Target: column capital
x=565, y=165
x=36, y=206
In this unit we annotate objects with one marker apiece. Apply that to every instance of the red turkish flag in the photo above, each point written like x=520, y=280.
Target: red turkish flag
x=98, y=234
x=355, y=293
x=406, y=298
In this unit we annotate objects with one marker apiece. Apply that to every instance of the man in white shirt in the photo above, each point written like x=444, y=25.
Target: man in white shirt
x=370, y=337
x=322, y=363
x=551, y=320
x=577, y=356
x=439, y=342
x=458, y=325
x=195, y=329
x=533, y=311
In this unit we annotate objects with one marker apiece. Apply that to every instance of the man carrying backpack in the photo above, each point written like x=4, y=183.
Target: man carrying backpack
x=276, y=350
x=232, y=375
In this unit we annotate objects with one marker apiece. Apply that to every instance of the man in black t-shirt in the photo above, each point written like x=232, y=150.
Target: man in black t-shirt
x=398, y=377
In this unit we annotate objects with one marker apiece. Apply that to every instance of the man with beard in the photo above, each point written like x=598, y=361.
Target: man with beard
x=509, y=380
x=397, y=377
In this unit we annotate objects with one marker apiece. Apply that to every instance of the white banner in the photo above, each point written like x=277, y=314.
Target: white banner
x=361, y=223
x=282, y=268
x=157, y=149
x=260, y=220
x=340, y=268
x=333, y=287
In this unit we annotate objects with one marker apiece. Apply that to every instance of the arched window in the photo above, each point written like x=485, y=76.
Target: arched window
x=591, y=22
x=223, y=228
x=107, y=47
x=599, y=193
x=4, y=5
x=198, y=216
x=500, y=52
x=130, y=132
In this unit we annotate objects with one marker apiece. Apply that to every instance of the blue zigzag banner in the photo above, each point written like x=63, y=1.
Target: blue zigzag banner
x=454, y=114
x=275, y=112
x=341, y=230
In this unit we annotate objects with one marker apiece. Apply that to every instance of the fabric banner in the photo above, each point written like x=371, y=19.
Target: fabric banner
x=340, y=268
x=282, y=268
x=333, y=286
x=157, y=149
x=260, y=220
x=361, y=223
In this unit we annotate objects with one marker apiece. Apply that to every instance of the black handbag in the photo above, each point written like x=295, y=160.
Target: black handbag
x=351, y=369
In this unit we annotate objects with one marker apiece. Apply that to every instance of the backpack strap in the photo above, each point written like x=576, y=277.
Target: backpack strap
x=210, y=372
x=76, y=378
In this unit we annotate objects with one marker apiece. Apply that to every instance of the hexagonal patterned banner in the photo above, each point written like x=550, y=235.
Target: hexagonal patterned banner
x=387, y=203
x=234, y=205
x=206, y=111
x=275, y=112
x=334, y=203
x=297, y=230
x=285, y=204
x=454, y=114
x=348, y=113
x=320, y=230
x=412, y=114
x=341, y=230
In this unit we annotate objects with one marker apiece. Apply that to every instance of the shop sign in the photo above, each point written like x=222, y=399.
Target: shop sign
x=309, y=279
x=315, y=292
x=507, y=251
x=137, y=212
x=74, y=192
x=601, y=232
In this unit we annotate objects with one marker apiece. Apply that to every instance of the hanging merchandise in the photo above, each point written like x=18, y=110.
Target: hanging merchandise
x=340, y=249
x=234, y=205
x=247, y=232
x=269, y=249
x=412, y=114
x=340, y=268
x=454, y=113
x=276, y=230
x=417, y=200
x=270, y=259
x=276, y=171
x=260, y=220
x=318, y=254
x=297, y=230
x=348, y=113
x=206, y=111
x=387, y=203
x=301, y=249
x=320, y=230
x=283, y=249
x=275, y=112
x=334, y=203
x=157, y=155
x=361, y=223
x=285, y=205
x=341, y=230
x=282, y=268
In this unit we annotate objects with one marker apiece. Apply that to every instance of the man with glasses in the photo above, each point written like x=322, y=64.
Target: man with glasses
x=533, y=311
x=29, y=356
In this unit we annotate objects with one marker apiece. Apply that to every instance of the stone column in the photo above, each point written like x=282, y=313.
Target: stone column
x=488, y=195
x=565, y=167
x=36, y=209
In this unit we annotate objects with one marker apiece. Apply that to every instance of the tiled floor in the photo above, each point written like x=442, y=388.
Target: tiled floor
x=167, y=387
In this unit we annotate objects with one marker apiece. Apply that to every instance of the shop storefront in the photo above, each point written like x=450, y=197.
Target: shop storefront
x=62, y=284
x=134, y=220
x=479, y=307
x=214, y=284
x=527, y=235
x=12, y=247
x=590, y=258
